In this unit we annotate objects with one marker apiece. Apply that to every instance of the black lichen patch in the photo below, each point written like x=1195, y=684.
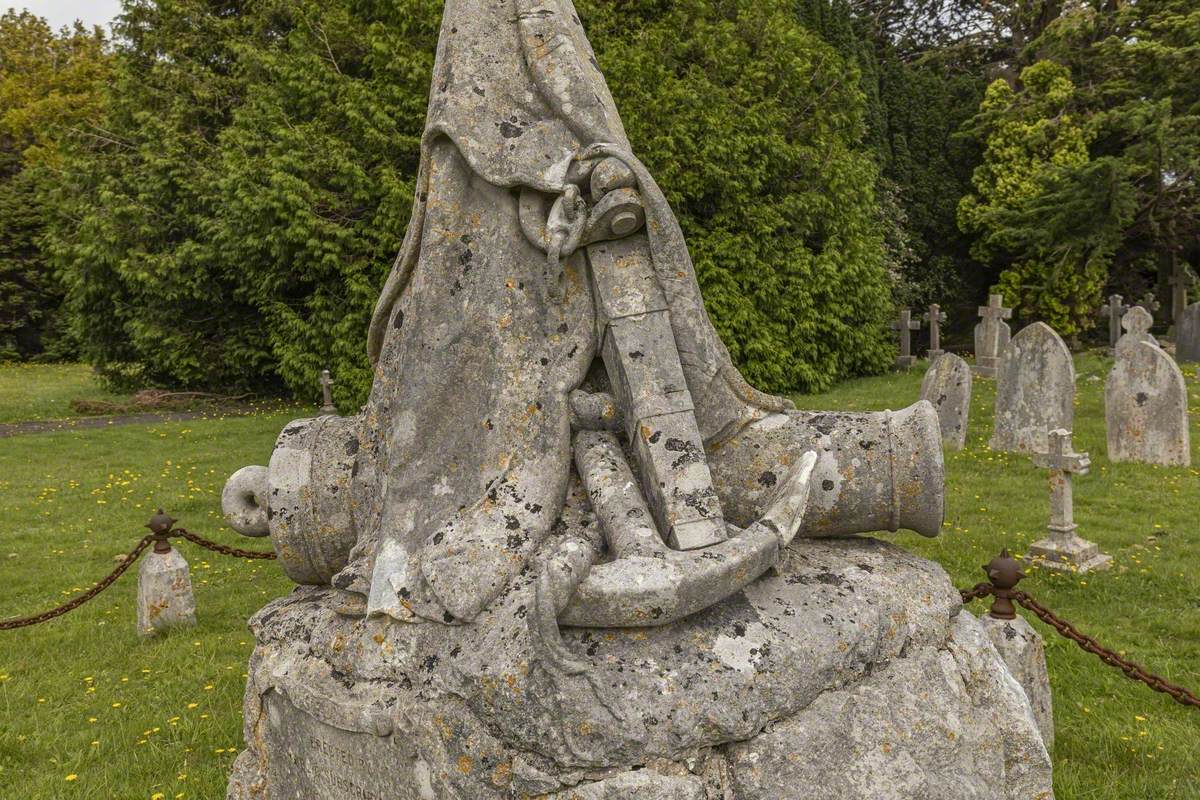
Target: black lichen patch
x=691, y=453
x=767, y=479
x=827, y=485
x=511, y=131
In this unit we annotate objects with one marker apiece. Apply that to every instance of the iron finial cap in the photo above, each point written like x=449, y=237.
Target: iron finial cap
x=161, y=523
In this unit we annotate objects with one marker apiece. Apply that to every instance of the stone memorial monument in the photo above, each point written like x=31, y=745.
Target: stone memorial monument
x=1113, y=311
x=992, y=335
x=1064, y=549
x=1187, y=334
x=565, y=551
x=935, y=317
x=1145, y=407
x=1035, y=391
x=905, y=324
x=947, y=386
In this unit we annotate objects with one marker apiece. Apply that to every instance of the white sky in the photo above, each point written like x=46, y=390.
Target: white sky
x=64, y=12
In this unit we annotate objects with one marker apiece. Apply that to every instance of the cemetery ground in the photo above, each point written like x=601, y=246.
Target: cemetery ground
x=89, y=710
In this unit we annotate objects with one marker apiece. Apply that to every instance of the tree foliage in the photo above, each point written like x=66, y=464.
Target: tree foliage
x=49, y=86
x=235, y=225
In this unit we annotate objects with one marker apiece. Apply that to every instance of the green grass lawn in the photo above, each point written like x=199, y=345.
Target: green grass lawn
x=83, y=696
x=45, y=391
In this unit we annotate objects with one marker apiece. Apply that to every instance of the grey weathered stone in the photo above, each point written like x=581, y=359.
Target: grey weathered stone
x=557, y=448
x=1024, y=653
x=1187, y=334
x=244, y=501
x=1035, y=390
x=905, y=324
x=1181, y=281
x=1063, y=549
x=327, y=406
x=1113, y=311
x=992, y=336
x=947, y=386
x=165, y=599
x=1145, y=407
x=935, y=317
x=851, y=672
x=1136, y=324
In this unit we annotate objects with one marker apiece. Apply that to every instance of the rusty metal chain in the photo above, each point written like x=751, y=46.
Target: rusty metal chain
x=46, y=616
x=1132, y=670
x=219, y=548
x=163, y=529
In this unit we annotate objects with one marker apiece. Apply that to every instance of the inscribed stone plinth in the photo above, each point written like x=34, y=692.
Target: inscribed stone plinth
x=1024, y=653
x=1035, y=391
x=165, y=599
x=947, y=385
x=1187, y=334
x=430, y=711
x=1145, y=408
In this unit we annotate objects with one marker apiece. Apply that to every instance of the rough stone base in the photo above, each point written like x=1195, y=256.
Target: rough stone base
x=1069, y=553
x=1022, y=650
x=850, y=673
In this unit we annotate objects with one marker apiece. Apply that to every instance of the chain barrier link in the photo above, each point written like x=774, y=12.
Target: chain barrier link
x=1004, y=573
x=163, y=529
x=220, y=548
x=46, y=616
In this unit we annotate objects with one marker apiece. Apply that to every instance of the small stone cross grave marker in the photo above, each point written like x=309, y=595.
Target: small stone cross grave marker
x=1063, y=549
x=1149, y=302
x=1113, y=311
x=1181, y=281
x=935, y=317
x=905, y=324
x=327, y=393
x=992, y=336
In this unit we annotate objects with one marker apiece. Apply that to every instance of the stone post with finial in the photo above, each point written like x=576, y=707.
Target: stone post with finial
x=165, y=599
x=1018, y=643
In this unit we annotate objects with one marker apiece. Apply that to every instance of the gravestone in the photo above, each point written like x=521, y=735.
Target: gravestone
x=1035, y=391
x=1136, y=324
x=1064, y=549
x=1182, y=280
x=992, y=336
x=947, y=385
x=566, y=550
x=935, y=317
x=1187, y=334
x=1145, y=407
x=327, y=406
x=905, y=324
x=1113, y=311
x=1150, y=303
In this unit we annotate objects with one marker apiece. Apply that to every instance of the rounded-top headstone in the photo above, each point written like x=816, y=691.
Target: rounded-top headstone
x=1035, y=390
x=947, y=385
x=1145, y=405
